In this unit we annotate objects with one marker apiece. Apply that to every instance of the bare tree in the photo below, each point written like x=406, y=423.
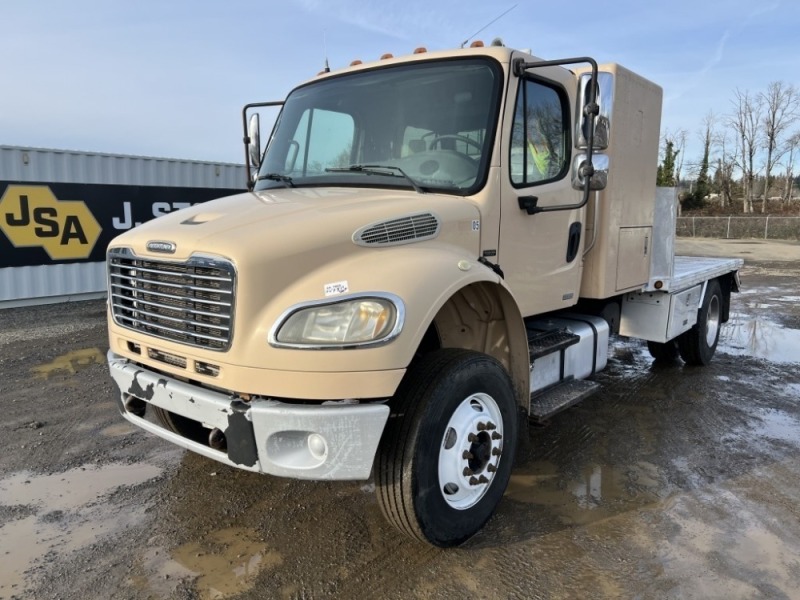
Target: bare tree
x=792, y=148
x=679, y=141
x=726, y=163
x=745, y=121
x=782, y=109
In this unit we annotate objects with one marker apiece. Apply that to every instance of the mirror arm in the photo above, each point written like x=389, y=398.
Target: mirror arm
x=248, y=166
x=591, y=110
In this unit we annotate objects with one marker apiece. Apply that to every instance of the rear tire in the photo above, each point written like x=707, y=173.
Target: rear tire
x=663, y=352
x=446, y=455
x=697, y=346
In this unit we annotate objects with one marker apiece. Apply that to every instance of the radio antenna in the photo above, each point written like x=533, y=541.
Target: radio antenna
x=466, y=41
x=327, y=68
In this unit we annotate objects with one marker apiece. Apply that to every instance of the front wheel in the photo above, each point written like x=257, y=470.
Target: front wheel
x=447, y=452
x=697, y=346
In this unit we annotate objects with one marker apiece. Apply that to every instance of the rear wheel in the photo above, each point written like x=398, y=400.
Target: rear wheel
x=697, y=346
x=447, y=452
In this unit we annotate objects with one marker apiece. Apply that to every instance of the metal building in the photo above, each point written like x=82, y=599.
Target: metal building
x=59, y=209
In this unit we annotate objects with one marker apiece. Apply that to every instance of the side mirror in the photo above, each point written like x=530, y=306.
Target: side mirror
x=605, y=102
x=599, y=178
x=254, y=145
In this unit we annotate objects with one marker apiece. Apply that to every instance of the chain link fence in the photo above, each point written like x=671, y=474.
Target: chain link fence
x=767, y=227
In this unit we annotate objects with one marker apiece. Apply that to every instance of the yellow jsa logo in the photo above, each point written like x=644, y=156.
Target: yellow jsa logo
x=30, y=215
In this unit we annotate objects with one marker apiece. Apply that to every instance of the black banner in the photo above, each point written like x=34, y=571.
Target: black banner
x=48, y=223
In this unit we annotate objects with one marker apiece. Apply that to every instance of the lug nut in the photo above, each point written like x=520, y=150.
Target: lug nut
x=495, y=451
x=472, y=438
x=481, y=426
x=496, y=436
x=473, y=481
x=482, y=479
x=491, y=468
x=467, y=455
x=467, y=472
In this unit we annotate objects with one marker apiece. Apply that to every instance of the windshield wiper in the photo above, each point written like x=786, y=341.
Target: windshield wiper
x=376, y=170
x=277, y=177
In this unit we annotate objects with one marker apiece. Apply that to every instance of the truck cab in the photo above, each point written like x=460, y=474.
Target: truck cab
x=432, y=249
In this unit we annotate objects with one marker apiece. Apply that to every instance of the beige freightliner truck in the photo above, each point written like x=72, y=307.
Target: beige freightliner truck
x=433, y=248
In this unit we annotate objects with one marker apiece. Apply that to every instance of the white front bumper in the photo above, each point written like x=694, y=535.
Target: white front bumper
x=302, y=441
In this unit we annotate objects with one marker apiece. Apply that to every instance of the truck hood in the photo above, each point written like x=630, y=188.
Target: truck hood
x=297, y=246
x=291, y=222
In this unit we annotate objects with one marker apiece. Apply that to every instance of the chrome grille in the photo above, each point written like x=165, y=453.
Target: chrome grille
x=403, y=230
x=187, y=302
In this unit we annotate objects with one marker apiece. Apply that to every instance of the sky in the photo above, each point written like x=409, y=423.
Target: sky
x=169, y=79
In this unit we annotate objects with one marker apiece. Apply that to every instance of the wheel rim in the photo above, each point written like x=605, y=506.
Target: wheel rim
x=470, y=451
x=712, y=321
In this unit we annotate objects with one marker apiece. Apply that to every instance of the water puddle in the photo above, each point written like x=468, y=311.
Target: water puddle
x=71, y=362
x=760, y=338
x=778, y=425
x=67, y=515
x=599, y=492
x=118, y=430
x=225, y=563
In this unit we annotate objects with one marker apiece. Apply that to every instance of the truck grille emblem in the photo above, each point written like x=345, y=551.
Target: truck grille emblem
x=159, y=246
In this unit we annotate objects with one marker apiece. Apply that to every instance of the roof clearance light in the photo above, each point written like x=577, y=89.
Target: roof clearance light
x=387, y=55
x=355, y=62
x=476, y=44
x=420, y=50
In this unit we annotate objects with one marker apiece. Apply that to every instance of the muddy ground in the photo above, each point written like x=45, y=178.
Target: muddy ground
x=673, y=482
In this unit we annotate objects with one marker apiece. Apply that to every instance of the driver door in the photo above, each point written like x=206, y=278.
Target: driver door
x=540, y=254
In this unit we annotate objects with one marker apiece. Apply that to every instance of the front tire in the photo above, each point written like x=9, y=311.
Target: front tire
x=184, y=427
x=697, y=346
x=447, y=452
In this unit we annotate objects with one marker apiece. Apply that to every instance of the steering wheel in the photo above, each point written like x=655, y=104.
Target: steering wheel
x=460, y=138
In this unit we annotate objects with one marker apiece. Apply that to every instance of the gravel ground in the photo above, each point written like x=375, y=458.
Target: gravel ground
x=672, y=482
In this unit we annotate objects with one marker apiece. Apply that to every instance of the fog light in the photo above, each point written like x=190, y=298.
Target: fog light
x=317, y=446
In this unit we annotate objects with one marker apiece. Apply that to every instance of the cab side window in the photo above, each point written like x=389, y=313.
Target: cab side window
x=539, y=135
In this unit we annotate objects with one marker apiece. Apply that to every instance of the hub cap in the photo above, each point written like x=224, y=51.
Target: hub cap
x=470, y=451
x=712, y=322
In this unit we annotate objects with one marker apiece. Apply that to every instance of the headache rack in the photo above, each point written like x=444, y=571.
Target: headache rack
x=190, y=302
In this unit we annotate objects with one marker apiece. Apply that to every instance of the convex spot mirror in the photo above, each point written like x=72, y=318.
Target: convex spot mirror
x=602, y=123
x=254, y=145
x=599, y=180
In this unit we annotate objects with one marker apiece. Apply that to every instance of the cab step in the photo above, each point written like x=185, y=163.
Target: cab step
x=543, y=342
x=560, y=397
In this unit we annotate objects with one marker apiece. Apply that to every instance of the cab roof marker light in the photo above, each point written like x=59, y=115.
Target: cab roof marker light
x=387, y=55
x=420, y=50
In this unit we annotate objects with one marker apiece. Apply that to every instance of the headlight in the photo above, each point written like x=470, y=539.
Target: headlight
x=345, y=322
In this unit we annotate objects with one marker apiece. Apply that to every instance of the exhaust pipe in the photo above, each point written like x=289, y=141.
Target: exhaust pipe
x=135, y=406
x=216, y=439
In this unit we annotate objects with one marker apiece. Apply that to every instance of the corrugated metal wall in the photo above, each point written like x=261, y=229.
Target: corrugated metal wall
x=68, y=166
x=57, y=282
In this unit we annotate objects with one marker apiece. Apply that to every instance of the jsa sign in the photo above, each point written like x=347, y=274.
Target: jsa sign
x=33, y=216
x=45, y=223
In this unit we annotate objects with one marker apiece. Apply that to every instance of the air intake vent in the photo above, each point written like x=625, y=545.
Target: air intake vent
x=404, y=230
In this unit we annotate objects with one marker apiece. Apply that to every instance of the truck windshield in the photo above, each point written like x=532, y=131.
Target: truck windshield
x=427, y=126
